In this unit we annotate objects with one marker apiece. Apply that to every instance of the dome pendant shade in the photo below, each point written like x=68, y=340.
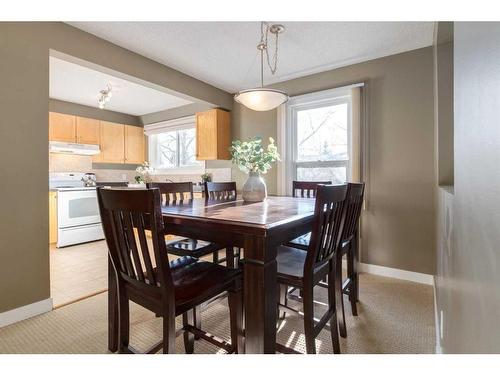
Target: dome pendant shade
x=261, y=99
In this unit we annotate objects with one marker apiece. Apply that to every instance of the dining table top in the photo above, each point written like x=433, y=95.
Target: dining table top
x=271, y=212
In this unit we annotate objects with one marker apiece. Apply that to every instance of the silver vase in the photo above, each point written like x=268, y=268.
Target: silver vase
x=254, y=189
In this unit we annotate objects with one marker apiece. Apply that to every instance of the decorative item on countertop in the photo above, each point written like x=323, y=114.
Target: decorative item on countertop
x=251, y=158
x=144, y=171
x=206, y=177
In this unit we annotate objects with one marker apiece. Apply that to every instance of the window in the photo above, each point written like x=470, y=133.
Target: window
x=322, y=142
x=316, y=138
x=172, y=146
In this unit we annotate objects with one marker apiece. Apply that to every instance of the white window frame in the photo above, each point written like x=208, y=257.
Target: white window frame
x=188, y=122
x=287, y=136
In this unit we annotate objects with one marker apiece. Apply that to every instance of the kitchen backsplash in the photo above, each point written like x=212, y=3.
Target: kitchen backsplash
x=78, y=163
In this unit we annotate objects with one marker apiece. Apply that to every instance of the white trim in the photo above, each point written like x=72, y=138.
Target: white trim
x=175, y=124
x=396, y=273
x=25, y=312
x=439, y=348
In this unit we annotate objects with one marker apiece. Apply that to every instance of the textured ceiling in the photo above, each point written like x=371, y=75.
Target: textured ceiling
x=224, y=54
x=78, y=84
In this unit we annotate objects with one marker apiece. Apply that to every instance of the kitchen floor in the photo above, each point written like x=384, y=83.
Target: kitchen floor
x=78, y=271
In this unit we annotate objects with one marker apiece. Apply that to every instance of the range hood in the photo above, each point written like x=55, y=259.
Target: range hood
x=73, y=148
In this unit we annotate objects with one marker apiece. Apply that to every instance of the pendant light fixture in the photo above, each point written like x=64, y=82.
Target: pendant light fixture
x=264, y=99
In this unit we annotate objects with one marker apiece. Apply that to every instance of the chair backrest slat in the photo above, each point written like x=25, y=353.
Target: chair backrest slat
x=139, y=224
x=307, y=188
x=327, y=226
x=126, y=214
x=171, y=191
x=220, y=191
x=354, y=203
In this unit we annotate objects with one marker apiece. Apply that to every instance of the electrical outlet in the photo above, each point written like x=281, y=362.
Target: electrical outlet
x=441, y=324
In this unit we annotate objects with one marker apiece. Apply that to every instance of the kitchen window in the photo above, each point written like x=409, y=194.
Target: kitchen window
x=172, y=146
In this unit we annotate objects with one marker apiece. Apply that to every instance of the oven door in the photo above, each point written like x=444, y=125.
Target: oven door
x=77, y=207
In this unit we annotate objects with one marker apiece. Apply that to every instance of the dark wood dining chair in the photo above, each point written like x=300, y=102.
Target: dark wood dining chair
x=173, y=193
x=304, y=189
x=349, y=247
x=220, y=191
x=306, y=269
x=223, y=191
x=168, y=289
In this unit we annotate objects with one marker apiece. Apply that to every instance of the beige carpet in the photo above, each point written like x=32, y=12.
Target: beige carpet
x=394, y=317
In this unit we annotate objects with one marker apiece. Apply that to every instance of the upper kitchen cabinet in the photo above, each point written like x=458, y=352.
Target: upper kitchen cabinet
x=88, y=130
x=213, y=135
x=112, y=143
x=134, y=144
x=62, y=127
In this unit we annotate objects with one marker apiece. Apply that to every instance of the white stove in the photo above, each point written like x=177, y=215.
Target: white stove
x=78, y=218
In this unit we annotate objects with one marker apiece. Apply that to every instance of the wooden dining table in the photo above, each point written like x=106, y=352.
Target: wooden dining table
x=259, y=228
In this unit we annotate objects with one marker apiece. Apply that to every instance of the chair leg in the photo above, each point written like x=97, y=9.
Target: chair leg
x=237, y=258
x=168, y=332
x=336, y=283
x=283, y=299
x=333, y=320
x=124, y=323
x=230, y=257
x=216, y=257
x=352, y=277
x=188, y=319
x=197, y=320
x=308, y=301
x=235, y=301
x=355, y=262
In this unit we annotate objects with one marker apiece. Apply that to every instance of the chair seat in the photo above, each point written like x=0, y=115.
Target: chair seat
x=192, y=247
x=196, y=281
x=301, y=242
x=291, y=266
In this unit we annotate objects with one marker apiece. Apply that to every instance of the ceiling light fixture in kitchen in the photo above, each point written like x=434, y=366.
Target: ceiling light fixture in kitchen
x=105, y=96
x=263, y=99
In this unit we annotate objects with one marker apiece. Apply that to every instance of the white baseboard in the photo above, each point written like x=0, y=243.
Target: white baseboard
x=416, y=277
x=439, y=348
x=25, y=312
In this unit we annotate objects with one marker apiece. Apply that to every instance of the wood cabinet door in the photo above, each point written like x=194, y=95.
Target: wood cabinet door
x=206, y=135
x=223, y=135
x=134, y=144
x=87, y=130
x=112, y=143
x=62, y=128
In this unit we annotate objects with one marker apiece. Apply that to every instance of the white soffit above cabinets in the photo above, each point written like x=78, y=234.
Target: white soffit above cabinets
x=224, y=54
x=80, y=84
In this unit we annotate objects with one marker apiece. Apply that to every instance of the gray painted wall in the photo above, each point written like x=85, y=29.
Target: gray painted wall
x=24, y=104
x=91, y=112
x=398, y=230
x=471, y=303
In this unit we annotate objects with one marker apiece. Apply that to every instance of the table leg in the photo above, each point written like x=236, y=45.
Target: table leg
x=260, y=296
x=112, y=309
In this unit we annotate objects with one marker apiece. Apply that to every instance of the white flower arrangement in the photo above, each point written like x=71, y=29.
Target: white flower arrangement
x=251, y=157
x=145, y=172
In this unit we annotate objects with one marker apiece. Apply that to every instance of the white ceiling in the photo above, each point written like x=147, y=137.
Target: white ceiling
x=79, y=84
x=224, y=54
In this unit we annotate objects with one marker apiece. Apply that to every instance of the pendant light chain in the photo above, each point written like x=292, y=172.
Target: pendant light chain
x=265, y=29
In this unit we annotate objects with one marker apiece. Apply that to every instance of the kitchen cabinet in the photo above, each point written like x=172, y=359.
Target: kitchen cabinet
x=134, y=144
x=88, y=130
x=112, y=143
x=52, y=217
x=62, y=128
x=213, y=135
